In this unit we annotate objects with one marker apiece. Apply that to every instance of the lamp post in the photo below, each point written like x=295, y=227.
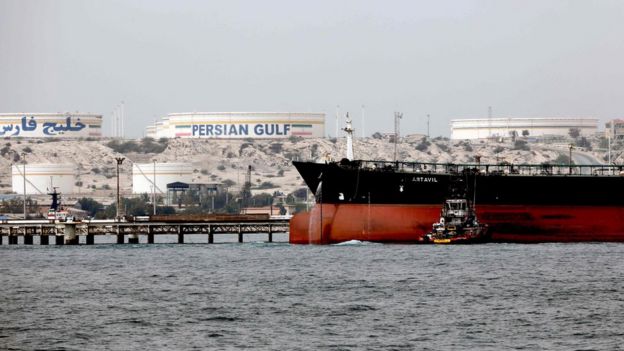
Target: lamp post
x=24, y=175
x=570, y=159
x=119, y=162
x=227, y=200
x=154, y=188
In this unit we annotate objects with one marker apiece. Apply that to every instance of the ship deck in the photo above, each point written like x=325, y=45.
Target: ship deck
x=487, y=169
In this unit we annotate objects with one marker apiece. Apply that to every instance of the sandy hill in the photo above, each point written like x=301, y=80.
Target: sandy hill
x=227, y=160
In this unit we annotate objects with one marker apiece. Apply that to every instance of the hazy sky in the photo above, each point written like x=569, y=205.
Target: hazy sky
x=447, y=59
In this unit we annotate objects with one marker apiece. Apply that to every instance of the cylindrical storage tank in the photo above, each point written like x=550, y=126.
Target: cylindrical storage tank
x=145, y=174
x=42, y=178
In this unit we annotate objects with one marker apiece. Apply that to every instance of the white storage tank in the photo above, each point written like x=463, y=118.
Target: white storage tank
x=144, y=175
x=41, y=178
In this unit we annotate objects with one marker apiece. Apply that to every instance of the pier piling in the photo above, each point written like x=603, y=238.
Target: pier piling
x=60, y=239
x=90, y=239
x=13, y=235
x=240, y=234
x=71, y=240
x=120, y=238
x=180, y=235
x=133, y=239
x=70, y=234
x=210, y=235
x=270, y=233
x=150, y=235
x=28, y=239
x=44, y=240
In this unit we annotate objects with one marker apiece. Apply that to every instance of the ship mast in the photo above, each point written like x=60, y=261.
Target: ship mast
x=349, y=130
x=397, y=120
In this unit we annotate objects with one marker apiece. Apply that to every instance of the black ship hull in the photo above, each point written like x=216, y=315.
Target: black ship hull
x=531, y=204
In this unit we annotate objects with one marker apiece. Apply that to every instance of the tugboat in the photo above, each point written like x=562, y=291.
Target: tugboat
x=458, y=220
x=56, y=211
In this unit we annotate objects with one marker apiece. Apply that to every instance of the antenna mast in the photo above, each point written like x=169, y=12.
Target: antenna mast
x=112, y=124
x=363, y=133
x=121, y=129
x=428, y=126
x=489, y=122
x=337, y=113
x=118, y=121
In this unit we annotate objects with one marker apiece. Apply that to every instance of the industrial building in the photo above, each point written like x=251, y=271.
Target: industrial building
x=483, y=128
x=238, y=125
x=46, y=125
x=199, y=192
x=614, y=129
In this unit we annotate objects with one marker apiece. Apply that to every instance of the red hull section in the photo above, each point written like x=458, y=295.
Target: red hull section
x=408, y=223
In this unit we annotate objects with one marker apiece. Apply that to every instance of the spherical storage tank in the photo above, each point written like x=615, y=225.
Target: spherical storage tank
x=145, y=174
x=42, y=178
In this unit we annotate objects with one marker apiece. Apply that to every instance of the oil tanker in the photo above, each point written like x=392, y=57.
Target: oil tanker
x=398, y=201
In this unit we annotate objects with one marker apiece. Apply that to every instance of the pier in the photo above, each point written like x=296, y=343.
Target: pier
x=69, y=233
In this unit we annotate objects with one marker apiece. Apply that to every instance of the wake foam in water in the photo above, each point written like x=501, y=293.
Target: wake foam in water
x=352, y=242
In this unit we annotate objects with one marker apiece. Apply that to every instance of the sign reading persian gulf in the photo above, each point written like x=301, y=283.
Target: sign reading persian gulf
x=238, y=125
x=244, y=130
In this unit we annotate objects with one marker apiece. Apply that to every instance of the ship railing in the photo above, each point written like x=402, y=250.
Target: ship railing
x=495, y=169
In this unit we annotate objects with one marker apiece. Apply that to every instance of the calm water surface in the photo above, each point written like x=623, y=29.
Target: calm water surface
x=344, y=297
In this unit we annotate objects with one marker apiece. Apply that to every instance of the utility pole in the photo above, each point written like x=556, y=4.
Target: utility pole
x=119, y=162
x=247, y=190
x=24, y=175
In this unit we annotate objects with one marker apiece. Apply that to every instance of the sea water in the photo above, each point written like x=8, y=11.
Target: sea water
x=276, y=296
